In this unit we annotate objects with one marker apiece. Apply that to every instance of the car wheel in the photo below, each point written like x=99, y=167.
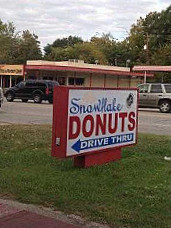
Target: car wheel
x=24, y=100
x=165, y=107
x=37, y=98
x=10, y=97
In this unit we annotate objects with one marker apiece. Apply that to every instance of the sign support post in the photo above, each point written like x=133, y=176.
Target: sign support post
x=86, y=161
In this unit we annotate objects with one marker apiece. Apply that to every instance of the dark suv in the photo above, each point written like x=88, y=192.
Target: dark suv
x=36, y=90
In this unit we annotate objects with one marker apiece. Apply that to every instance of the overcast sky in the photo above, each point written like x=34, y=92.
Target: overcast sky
x=52, y=19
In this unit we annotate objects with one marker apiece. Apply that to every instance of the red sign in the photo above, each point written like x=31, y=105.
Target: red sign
x=88, y=121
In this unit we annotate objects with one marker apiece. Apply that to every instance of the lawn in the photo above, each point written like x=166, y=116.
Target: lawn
x=133, y=192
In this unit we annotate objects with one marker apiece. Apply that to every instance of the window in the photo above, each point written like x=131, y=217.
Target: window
x=76, y=81
x=30, y=84
x=168, y=88
x=79, y=81
x=143, y=88
x=156, y=89
x=61, y=80
x=71, y=81
x=52, y=84
x=40, y=84
x=21, y=84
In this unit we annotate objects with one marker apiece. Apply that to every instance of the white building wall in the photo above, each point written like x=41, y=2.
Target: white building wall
x=97, y=80
x=111, y=81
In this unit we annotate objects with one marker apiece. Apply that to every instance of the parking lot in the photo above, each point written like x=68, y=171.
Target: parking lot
x=150, y=120
x=18, y=112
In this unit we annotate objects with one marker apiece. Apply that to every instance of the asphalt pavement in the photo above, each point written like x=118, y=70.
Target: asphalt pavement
x=17, y=112
x=154, y=122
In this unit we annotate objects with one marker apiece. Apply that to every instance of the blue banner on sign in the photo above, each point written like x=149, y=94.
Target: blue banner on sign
x=102, y=142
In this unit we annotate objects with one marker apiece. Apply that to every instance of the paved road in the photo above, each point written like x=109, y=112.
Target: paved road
x=26, y=113
x=150, y=121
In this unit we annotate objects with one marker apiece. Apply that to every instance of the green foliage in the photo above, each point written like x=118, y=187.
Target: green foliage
x=105, y=44
x=7, y=29
x=16, y=49
x=7, y=42
x=161, y=27
x=120, y=54
x=61, y=44
x=162, y=55
x=66, y=42
x=28, y=47
x=87, y=51
x=154, y=31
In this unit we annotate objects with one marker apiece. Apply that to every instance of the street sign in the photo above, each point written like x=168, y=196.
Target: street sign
x=87, y=121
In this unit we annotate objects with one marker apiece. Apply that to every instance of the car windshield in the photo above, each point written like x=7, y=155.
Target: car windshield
x=52, y=84
x=143, y=88
x=21, y=84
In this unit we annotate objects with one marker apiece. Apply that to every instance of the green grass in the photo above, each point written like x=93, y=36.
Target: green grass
x=133, y=192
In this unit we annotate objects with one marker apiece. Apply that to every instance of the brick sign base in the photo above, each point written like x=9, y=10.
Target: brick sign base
x=86, y=161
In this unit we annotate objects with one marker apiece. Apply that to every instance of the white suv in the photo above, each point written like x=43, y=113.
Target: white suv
x=155, y=95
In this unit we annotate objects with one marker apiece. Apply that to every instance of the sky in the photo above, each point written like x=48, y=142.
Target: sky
x=52, y=19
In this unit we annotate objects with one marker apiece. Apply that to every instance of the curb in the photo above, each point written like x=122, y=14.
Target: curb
x=51, y=213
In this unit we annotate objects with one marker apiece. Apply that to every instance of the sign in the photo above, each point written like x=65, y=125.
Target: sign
x=11, y=70
x=89, y=121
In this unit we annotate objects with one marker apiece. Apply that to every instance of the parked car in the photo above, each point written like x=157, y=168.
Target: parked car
x=1, y=97
x=155, y=95
x=36, y=90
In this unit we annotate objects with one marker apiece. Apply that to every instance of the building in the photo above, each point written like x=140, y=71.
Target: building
x=78, y=73
x=151, y=69
x=10, y=75
x=71, y=73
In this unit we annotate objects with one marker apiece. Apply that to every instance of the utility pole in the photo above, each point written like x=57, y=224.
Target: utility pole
x=116, y=61
x=146, y=48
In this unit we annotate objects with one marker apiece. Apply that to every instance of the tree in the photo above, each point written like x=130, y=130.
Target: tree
x=16, y=49
x=89, y=52
x=84, y=51
x=162, y=56
x=105, y=45
x=66, y=42
x=75, y=48
x=152, y=32
x=159, y=27
x=8, y=38
x=28, y=47
x=62, y=43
